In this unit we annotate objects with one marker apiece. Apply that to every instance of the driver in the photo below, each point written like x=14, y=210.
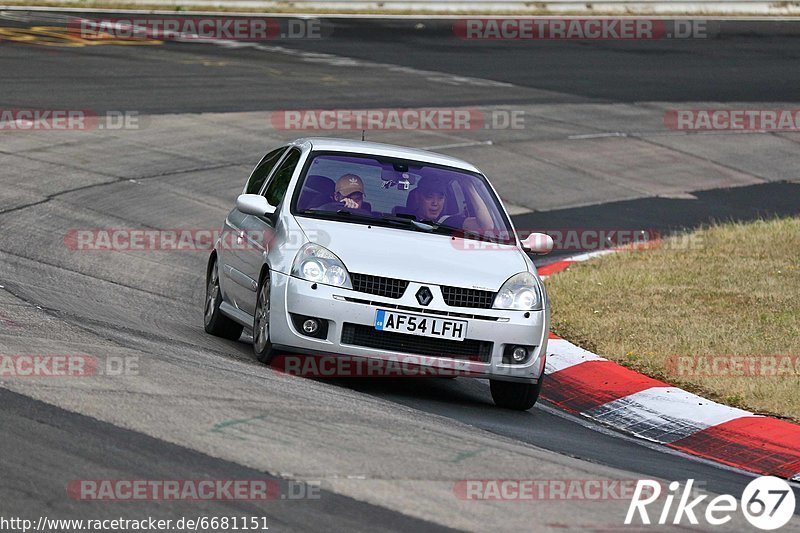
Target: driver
x=348, y=194
x=349, y=191
x=432, y=197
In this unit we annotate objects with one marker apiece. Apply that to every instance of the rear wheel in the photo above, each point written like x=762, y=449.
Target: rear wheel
x=214, y=321
x=511, y=395
x=262, y=345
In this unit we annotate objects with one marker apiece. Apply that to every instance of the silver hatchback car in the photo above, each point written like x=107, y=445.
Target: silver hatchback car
x=363, y=250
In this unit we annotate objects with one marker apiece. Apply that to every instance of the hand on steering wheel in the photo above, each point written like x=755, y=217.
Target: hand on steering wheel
x=349, y=202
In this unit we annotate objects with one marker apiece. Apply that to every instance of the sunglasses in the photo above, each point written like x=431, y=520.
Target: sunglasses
x=357, y=196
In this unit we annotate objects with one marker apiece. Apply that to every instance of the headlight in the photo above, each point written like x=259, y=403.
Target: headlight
x=316, y=263
x=522, y=292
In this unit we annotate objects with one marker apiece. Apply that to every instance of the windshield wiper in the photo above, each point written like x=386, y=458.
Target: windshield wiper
x=428, y=225
x=349, y=215
x=410, y=221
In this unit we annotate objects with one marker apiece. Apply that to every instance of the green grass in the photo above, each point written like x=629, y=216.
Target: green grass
x=727, y=290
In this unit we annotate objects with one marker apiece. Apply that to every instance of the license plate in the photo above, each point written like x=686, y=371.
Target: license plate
x=425, y=326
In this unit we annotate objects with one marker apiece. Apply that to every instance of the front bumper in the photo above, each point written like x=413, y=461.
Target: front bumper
x=340, y=306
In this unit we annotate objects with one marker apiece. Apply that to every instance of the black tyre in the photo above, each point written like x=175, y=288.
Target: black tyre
x=214, y=321
x=262, y=345
x=511, y=395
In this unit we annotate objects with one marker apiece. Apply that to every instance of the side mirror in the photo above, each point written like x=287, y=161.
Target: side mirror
x=254, y=204
x=538, y=243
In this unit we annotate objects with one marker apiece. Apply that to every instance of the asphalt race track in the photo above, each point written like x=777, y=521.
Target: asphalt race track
x=594, y=152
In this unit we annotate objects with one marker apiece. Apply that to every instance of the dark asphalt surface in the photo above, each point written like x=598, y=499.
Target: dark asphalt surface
x=174, y=79
x=544, y=429
x=67, y=445
x=663, y=216
x=730, y=66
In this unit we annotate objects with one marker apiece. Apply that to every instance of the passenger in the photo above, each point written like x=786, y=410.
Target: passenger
x=432, y=197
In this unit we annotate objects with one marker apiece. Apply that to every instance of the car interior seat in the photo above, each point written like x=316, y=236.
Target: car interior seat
x=317, y=191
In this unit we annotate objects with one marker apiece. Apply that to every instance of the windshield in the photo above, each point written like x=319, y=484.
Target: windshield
x=399, y=193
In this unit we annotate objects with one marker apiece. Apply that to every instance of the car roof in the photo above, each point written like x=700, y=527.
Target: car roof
x=365, y=147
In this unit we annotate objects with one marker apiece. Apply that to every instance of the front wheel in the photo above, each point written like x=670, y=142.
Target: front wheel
x=262, y=345
x=518, y=396
x=214, y=322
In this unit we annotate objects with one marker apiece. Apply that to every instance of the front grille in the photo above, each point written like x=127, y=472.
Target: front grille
x=369, y=337
x=460, y=297
x=388, y=287
x=425, y=310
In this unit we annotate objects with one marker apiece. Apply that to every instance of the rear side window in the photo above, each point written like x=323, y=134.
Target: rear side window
x=276, y=189
x=262, y=172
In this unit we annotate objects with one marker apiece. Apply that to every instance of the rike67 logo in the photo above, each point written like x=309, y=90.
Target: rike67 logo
x=767, y=503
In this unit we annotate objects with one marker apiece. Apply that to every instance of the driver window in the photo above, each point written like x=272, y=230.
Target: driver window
x=261, y=173
x=280, y=181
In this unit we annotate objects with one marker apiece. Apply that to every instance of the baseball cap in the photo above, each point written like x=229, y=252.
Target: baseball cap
x=348, y=184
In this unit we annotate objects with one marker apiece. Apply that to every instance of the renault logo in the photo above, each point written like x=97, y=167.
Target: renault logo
x=424, y=296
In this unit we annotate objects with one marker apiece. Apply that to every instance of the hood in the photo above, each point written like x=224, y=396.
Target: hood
x=415, y=255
